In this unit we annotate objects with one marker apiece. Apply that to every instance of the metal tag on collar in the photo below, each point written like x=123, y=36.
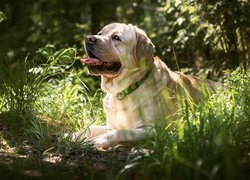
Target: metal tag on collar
x=120, y=95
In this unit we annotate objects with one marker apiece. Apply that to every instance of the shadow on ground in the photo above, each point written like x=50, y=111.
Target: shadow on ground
x=94, y=165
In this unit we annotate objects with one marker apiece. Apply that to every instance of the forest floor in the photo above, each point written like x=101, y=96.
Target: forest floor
x=26, y=163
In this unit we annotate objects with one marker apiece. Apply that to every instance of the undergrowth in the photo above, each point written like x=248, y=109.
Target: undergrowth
x=40, y=102
x=43, y=101
x=211, y=141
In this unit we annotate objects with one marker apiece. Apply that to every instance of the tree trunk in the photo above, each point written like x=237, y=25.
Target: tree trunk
x=230, y=32
x=96, y=11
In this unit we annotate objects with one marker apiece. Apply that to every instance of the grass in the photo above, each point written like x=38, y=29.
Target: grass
x=211, y=141
x=40, y=102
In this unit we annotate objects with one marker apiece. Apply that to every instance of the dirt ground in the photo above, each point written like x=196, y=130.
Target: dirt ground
x=93, y=164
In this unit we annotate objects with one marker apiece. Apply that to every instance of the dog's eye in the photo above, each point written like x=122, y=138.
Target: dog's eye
x=115, y=37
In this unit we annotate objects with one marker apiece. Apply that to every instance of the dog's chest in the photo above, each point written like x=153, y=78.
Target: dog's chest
x=120, y=114
x=134, y=111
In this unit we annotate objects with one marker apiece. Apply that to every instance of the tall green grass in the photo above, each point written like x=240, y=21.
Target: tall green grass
x=39, y=102
x=18, y=95
x=211, y=141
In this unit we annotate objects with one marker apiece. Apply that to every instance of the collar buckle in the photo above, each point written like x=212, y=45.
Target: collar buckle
x=122, y=94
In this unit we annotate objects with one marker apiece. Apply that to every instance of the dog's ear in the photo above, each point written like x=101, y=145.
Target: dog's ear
x=144, y=47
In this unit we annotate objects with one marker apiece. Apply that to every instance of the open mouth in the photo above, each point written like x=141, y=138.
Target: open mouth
x=98, y=67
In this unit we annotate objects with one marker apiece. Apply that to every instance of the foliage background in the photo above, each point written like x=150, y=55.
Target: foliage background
x=197, y=33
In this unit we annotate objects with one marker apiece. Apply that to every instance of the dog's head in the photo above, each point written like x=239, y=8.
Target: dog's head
x=118, y=47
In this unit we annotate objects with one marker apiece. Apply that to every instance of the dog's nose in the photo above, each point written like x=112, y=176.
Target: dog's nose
x=91, y=39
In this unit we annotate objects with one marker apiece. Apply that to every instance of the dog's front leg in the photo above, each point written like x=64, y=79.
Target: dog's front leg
x=117, y=136
x=95, y=130
x=91, y=132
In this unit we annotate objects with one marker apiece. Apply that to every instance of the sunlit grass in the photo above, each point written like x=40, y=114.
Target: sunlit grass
x=209, y=141
x=41, y=102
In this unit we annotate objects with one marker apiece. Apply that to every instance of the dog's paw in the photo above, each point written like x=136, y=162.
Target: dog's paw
x=106, y=140
x=100, y=142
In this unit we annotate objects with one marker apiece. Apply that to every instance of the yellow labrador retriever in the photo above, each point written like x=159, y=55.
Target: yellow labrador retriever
x=140, y=89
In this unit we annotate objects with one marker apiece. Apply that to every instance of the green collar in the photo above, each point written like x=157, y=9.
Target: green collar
x=120, y=95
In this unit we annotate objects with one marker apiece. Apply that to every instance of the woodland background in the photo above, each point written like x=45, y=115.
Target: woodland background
x=211, y=33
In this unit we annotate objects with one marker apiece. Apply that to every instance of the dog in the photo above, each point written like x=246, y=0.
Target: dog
x=141, y=91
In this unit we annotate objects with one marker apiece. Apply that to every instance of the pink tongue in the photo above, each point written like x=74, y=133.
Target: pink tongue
x=91, y=61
